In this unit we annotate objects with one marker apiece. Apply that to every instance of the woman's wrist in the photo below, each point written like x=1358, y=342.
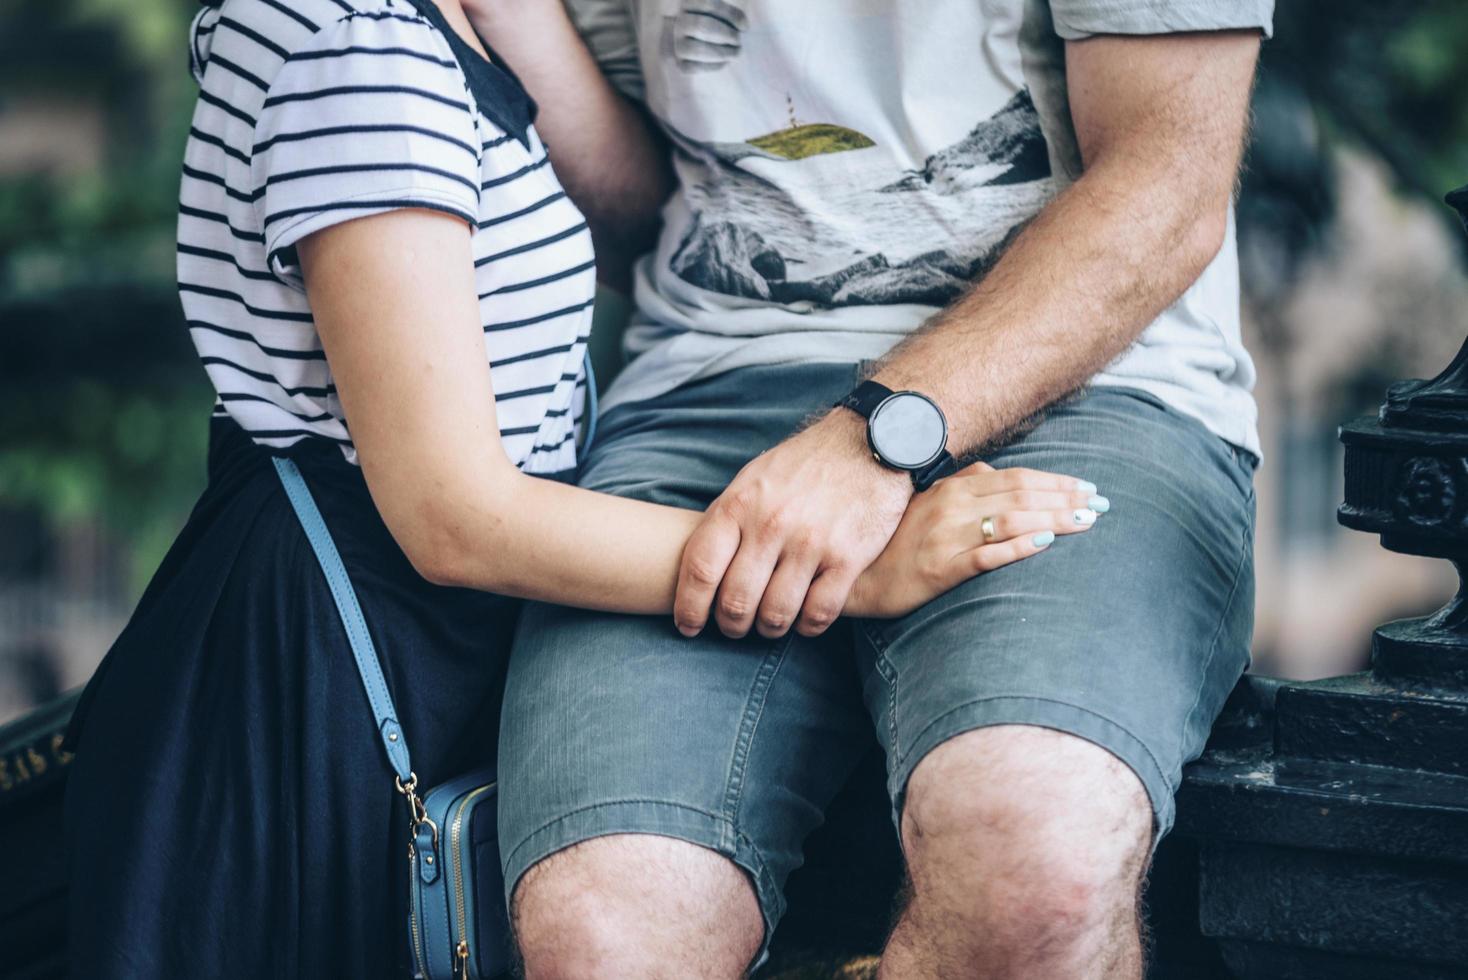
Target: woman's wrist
x=863, y=600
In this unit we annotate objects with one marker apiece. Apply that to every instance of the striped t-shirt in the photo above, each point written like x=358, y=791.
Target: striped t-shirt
x=313, y=112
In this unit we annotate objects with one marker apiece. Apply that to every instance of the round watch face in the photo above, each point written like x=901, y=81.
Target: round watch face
x=907, y=431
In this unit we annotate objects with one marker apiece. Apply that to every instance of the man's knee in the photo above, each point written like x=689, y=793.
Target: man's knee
x=1026, y=825
x=636, y=906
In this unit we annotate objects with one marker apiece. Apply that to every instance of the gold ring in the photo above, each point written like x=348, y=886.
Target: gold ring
x=987, y=527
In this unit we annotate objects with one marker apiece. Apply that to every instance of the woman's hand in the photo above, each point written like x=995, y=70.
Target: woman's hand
x=941, y=540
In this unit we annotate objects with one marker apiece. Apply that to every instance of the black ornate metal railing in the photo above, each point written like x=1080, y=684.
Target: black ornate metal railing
x=32, y=861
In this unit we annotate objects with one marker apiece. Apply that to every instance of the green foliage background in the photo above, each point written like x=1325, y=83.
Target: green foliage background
x=103, y=412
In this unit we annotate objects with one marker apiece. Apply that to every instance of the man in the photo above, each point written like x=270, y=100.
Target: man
x=1021, y=211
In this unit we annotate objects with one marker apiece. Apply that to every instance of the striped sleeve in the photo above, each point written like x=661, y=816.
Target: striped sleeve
x=372, y=115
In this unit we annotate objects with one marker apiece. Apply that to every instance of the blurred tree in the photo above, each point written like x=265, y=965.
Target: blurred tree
x=103, y=410
x=1388, y=77
x=125, y=58
x=106, y=419
x=1391, y=75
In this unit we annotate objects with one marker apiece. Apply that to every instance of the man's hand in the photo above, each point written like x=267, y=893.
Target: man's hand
x=786, y=541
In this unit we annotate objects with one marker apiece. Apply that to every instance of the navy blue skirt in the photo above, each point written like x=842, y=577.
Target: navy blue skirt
x=230, y=812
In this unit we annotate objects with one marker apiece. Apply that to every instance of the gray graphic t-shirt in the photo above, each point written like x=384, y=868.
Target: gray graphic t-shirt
x=847, y=167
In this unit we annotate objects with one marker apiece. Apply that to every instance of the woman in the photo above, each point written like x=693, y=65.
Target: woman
x=385, y=284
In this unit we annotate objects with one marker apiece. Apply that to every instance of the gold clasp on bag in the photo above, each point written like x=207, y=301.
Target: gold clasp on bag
x=417, y=813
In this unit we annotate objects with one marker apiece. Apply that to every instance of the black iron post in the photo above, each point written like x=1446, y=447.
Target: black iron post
x=1332, y=816
x=1407, y=480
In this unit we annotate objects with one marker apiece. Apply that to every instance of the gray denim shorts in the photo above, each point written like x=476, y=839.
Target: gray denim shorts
x=1130, y=636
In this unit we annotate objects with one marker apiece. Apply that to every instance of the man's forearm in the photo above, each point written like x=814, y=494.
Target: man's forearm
x=1102, y=260
x=605, y=150
x=1091, y=271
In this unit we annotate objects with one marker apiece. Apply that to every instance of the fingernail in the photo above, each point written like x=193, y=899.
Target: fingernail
x=1043, y=539
x=1085, y=516
x=689, y=631
x=1085, y=486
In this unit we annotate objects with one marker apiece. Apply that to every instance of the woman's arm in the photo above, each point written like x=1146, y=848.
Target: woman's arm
x=604, y=147
x=394, y=301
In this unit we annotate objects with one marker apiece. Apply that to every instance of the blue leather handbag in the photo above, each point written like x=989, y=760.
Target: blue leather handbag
x=457, y=924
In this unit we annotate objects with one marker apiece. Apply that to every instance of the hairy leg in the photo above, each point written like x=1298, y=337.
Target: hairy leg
x=1026, y=849
x=636, y=906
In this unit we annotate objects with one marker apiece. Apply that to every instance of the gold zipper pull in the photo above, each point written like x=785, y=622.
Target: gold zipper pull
x=461, y=960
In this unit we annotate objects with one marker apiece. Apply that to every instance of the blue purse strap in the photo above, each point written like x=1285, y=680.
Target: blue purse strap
x=369, y=667
x=363, y=651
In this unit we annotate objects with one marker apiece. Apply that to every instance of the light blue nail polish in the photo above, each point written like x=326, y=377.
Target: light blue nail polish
x=1099, y=504
x=1085, y=486
x=1043, y=539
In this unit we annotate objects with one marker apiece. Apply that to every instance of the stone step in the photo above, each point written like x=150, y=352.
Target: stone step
x=1314, y=900
x=1359, y=720
x=1267, y=961
x=1325, y=806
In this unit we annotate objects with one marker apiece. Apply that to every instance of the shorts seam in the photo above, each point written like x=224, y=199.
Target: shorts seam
x=754, y=710
x=888, y=672
x=878, y=642
x=903, y=759
x=1213, y=644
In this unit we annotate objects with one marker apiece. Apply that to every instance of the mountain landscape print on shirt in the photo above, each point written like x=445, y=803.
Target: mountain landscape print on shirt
x=866, y=235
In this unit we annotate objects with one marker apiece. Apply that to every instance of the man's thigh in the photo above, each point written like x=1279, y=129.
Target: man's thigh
x=617, y=724
x=683, y=448
x=1129, y=635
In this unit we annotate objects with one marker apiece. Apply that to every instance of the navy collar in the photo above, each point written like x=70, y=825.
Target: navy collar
x=496, y=88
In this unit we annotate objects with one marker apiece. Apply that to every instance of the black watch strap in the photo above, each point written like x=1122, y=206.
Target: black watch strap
x=944, y=465
x=865, y=397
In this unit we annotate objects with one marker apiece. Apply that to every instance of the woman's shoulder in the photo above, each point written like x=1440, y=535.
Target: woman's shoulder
x=313, y=15
x=302, y=29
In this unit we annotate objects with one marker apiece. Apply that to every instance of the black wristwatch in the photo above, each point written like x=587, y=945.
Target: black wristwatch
x=906, y=431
